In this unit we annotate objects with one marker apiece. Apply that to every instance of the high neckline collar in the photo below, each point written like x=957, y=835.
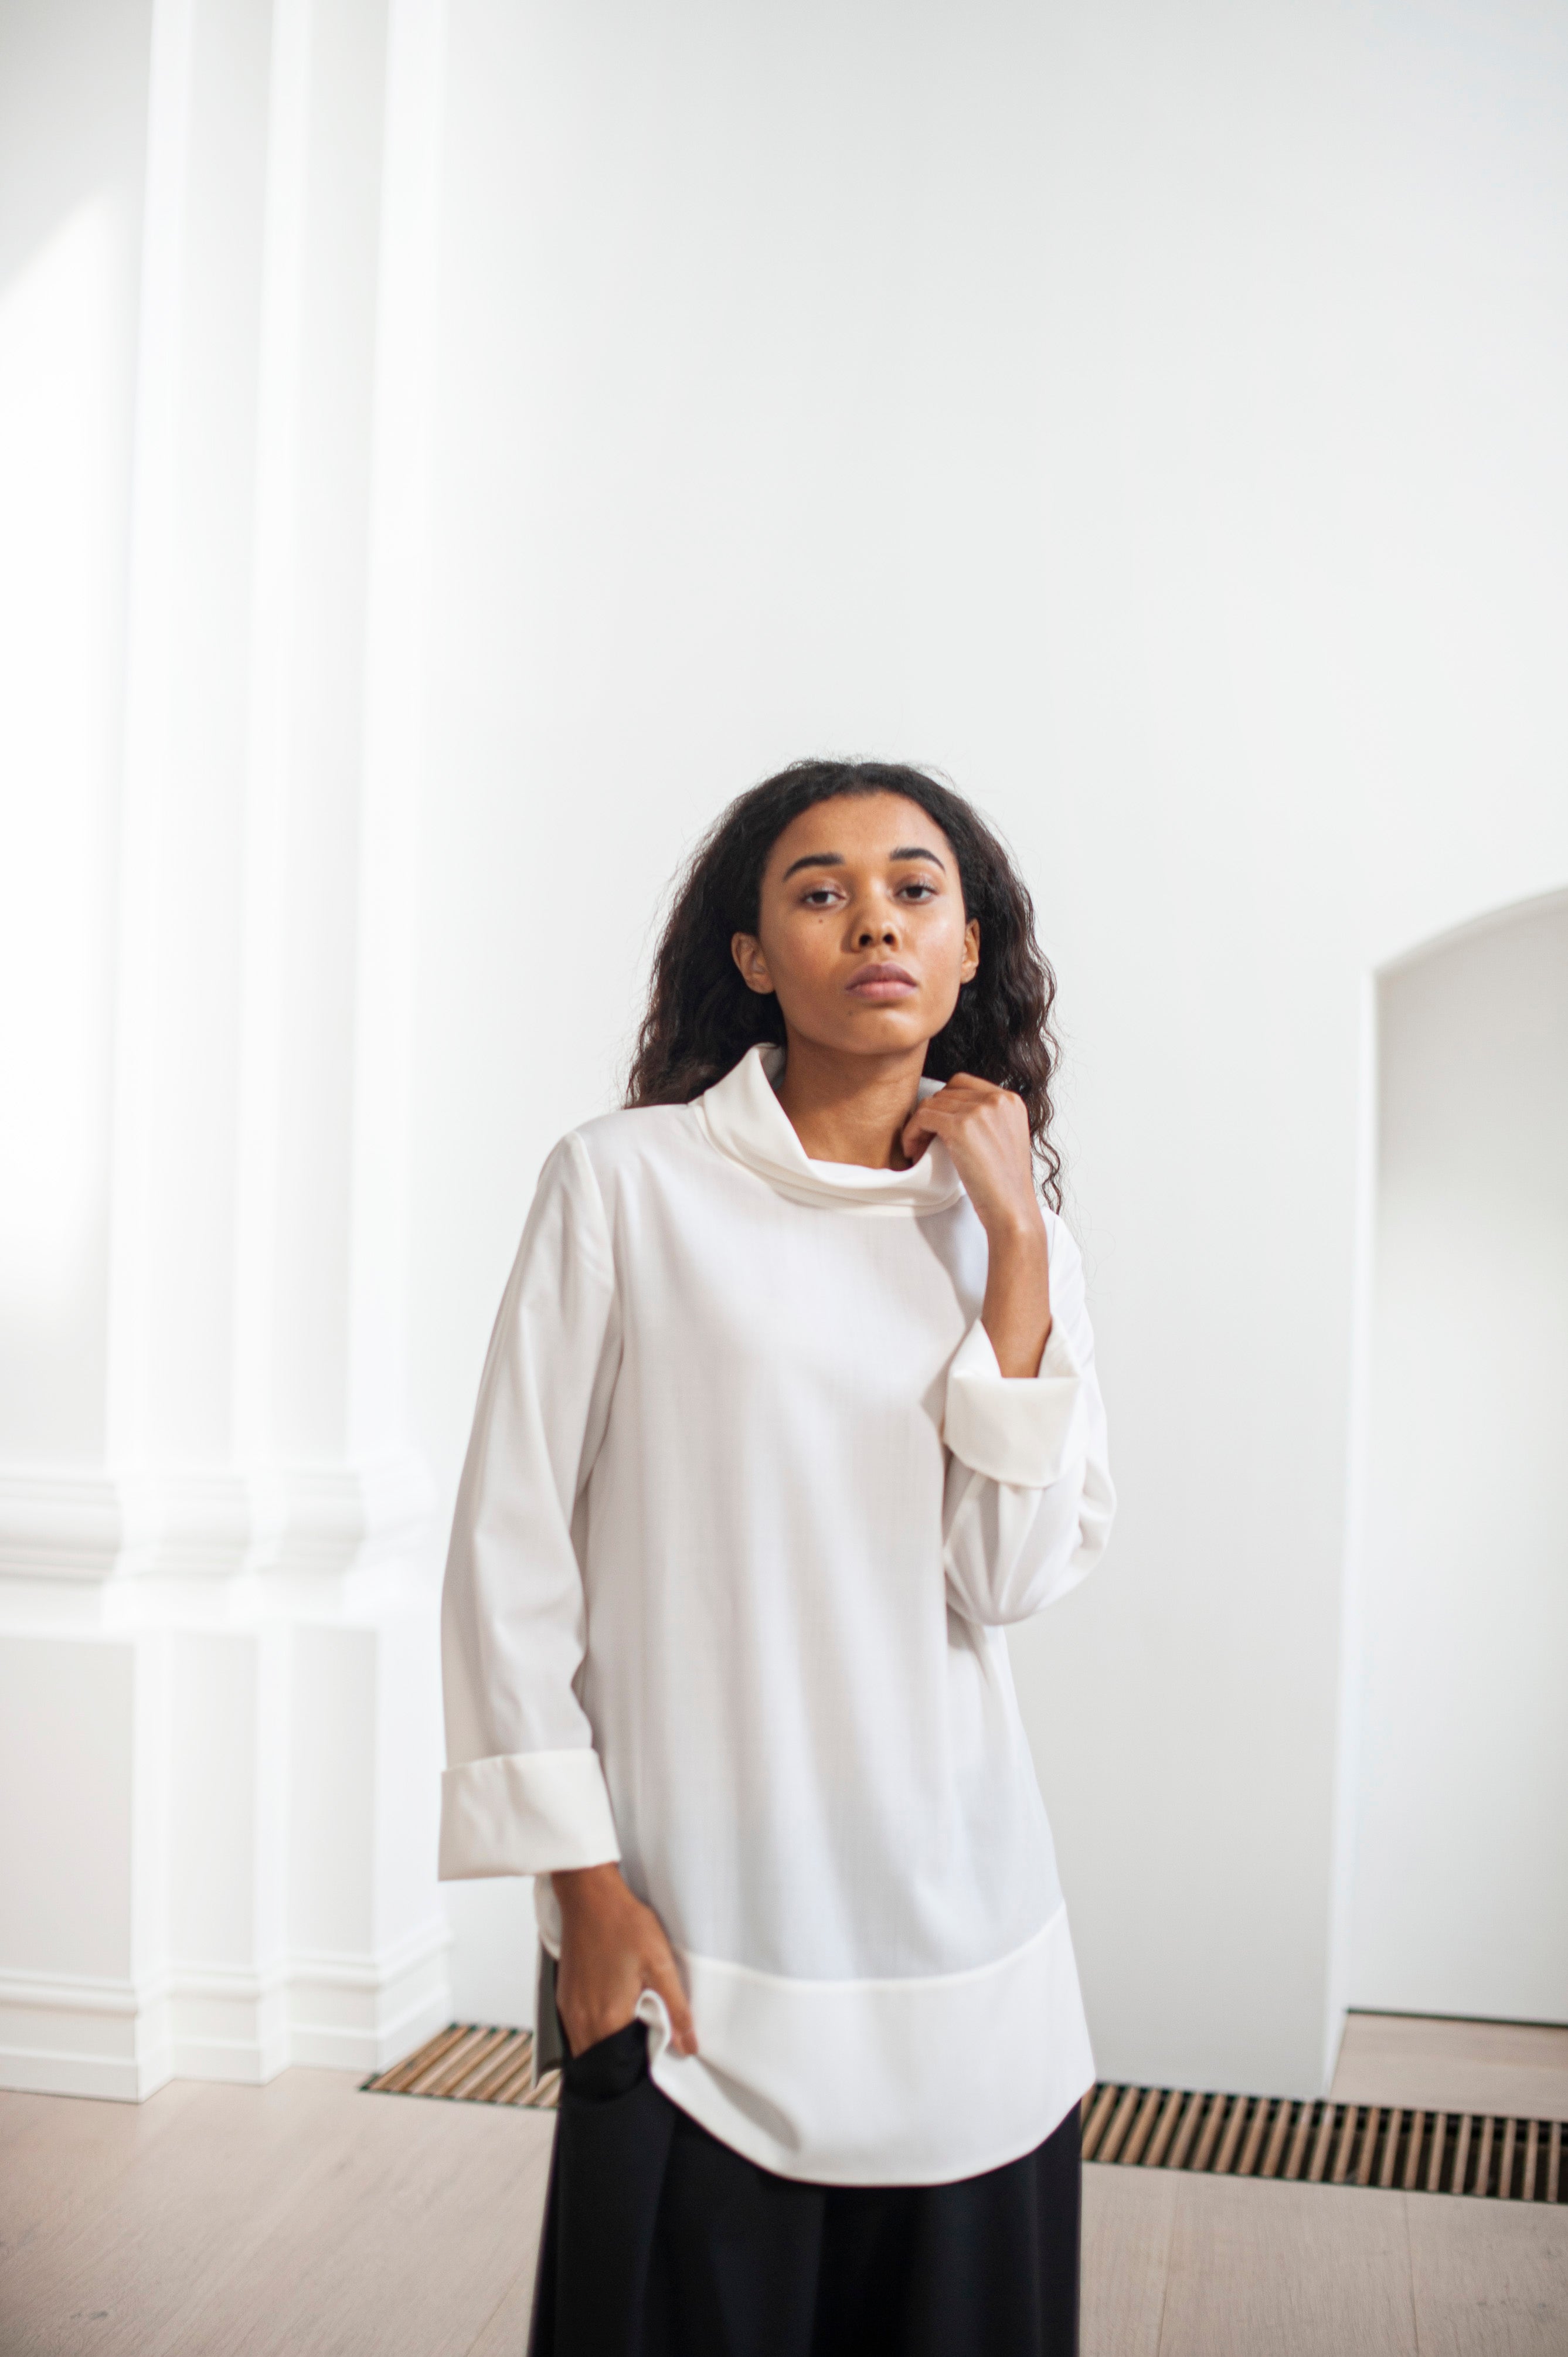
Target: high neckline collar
x=744, y=1120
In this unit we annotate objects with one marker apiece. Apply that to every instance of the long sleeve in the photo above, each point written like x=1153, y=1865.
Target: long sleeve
x=524, y=1791
x=1028, y=1501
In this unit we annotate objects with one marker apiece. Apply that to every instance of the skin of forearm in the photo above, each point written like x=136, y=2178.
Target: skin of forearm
x=1016, y=1312
x=579, y=1886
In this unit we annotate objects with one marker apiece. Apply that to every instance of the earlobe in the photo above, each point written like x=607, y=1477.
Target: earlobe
x=747, y=952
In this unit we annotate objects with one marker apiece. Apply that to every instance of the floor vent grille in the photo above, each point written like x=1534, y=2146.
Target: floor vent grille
x=1141, y=2127
x=1325, y=2144
x=467, y=2063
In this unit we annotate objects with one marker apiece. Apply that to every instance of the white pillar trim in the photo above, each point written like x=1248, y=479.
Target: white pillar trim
x=99, y=1526
x=66, y=2034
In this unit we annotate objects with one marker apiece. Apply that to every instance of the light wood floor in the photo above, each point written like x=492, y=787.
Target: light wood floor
x=307, y=2220
x=1454, y=2066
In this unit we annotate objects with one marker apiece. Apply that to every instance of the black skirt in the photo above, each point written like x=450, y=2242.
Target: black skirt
x=660, y=2242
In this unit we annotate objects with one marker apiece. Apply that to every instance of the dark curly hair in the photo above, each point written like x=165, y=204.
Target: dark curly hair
x=702, y=1018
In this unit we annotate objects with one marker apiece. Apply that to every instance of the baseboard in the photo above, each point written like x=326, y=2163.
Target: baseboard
x=39, y=2070
x=121, y=2040
x=68, y=2035
x=327, y=2046
x=228, y=2025
x=346, y=2016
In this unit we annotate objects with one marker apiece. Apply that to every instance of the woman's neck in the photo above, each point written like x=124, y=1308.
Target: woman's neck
x=846, y=1108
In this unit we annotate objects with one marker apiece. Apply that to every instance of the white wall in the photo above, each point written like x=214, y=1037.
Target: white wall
x=73, y=96
x=217, y=1627
x=1462, y=1882
x=1153, y=417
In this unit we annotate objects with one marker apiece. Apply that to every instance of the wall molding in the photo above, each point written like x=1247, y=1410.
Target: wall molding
x=96, y=1526
x=62, y=2034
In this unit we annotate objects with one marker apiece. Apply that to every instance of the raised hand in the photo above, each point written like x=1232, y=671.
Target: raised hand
x=986, y=1131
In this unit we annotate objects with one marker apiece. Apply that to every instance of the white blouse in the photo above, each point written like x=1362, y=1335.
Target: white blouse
x=746, y=1507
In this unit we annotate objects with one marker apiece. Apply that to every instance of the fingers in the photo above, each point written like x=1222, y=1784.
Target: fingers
x=586, y=2024
x=663, y=1979
x=985, y=1129
x=916, y=1134
x=941, y=1114
x=612, y=1948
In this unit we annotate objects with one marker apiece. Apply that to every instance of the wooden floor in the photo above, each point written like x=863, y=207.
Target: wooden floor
x=304, y=2218
x=309, y=2219
x=1454, y=2066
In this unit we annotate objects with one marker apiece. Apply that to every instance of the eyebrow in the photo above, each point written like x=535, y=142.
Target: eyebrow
x=836, y=859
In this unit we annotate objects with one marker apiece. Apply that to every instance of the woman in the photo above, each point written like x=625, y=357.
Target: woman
x=791, y=1406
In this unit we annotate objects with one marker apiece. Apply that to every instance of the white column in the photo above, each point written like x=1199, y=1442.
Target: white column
x=218, y=1668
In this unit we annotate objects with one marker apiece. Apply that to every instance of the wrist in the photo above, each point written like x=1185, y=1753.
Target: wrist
x=580, y=1889
x=1018, y=1232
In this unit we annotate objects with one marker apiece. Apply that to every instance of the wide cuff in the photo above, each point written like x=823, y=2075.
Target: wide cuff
x=525, y=1812
x=1020, y=1429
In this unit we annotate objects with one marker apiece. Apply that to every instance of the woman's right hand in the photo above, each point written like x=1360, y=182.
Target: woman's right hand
x=612, y=1948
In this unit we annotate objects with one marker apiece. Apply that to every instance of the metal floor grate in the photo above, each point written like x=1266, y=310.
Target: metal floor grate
x=1325, y=2144
x=1141, y=2127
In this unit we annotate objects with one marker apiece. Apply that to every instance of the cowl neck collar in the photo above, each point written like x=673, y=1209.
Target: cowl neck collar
x=744, y=1120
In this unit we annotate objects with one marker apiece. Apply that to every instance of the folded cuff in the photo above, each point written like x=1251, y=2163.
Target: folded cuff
x=525, y=1812
x=1020, y=1429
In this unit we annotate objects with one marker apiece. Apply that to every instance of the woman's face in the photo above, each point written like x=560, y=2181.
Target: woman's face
x=861, y=927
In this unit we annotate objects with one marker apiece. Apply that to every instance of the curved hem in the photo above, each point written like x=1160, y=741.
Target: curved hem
x=922, y=2081
x=891, y=2177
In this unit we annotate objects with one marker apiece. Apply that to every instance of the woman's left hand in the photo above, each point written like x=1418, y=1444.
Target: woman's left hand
x=986, y=1131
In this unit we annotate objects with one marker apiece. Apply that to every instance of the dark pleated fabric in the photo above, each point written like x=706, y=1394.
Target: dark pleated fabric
x=660, y=2242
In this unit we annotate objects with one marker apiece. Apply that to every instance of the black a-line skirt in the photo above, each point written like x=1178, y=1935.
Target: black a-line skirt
x=660, y=2242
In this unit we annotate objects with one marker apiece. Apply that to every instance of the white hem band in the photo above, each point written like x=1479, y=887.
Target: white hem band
x=875, y=2082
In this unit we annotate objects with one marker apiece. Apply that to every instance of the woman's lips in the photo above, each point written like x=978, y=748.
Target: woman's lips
x=881, y=982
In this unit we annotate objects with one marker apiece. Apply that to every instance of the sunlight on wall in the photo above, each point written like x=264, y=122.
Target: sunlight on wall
x=58, y=567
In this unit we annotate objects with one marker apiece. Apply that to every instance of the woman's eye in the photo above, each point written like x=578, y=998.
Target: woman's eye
x=920, y=890
x=821, y=896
